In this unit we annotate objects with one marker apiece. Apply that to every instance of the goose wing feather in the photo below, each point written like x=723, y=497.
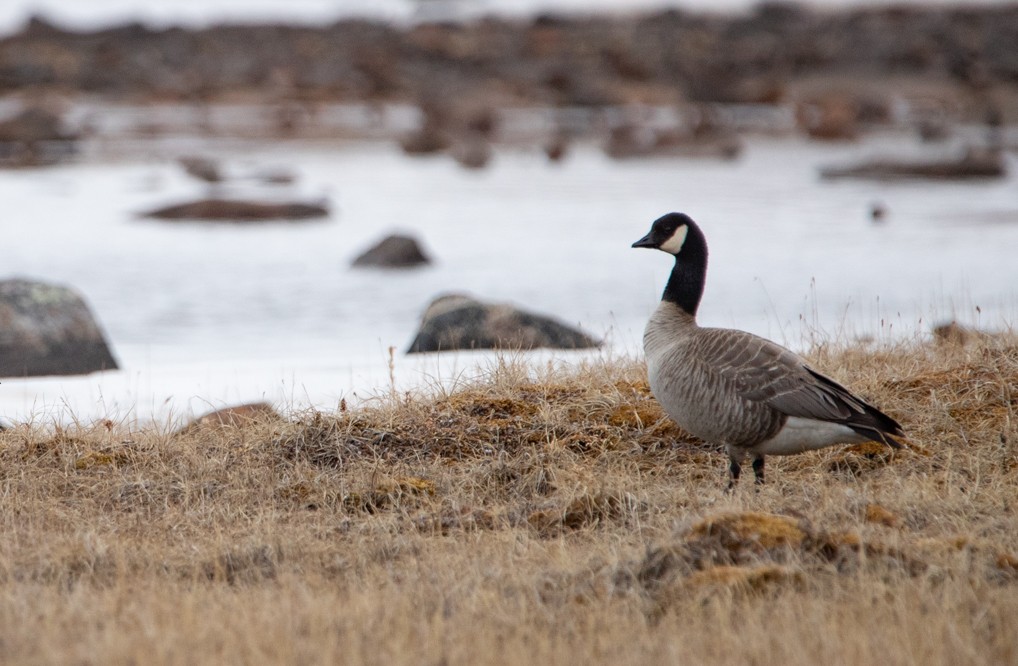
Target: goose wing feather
x=759, y=370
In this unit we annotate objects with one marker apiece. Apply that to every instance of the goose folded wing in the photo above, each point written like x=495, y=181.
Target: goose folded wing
x=761, y=371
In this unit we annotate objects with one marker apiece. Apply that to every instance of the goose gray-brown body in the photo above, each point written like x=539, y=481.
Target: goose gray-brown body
x=734, y=388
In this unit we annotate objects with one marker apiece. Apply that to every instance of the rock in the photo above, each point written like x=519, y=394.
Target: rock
x=633, y=141
x=277, y=177
x=556, y=148
x=34, y=137
x=233, y=417
x=202, y=168
x=394, y=251
x=230, y=210
x=973, y=164
x=472, y=153
x=425, y=141
x=833, y=118
x=878, y=212
x=953, y=333
x=48, y=330
x=432, y=135
x=457, y=321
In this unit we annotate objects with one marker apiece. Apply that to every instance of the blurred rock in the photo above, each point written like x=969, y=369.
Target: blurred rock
x=35, y=137
x=277, y=177
x=457, y=321
x=830, y=118
x=48, y=330
x=556, y=147
x=395, y=251
x=953, y=333
x=202, y=168
x=432, y=136
x=878, y=212
x=233, y=417
x=975, y=163
x=472, y=152
x=630, y=141
x=427, y=140
x=933, y=129
x=229, y=210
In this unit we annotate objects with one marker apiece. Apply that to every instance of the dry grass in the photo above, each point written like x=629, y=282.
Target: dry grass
x=526, y=518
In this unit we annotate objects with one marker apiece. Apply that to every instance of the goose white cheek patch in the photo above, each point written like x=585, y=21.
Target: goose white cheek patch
x=674, y=244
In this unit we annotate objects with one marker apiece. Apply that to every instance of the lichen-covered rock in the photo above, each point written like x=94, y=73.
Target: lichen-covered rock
x=48, y=330
x=457, y=321
x=393, y=251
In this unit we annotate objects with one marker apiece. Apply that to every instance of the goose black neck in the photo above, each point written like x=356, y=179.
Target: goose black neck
x=685, y=284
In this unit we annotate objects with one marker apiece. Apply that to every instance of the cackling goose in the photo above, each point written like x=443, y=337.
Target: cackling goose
x=737, y=389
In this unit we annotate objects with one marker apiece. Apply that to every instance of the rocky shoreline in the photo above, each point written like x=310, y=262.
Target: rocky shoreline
x=957, y=62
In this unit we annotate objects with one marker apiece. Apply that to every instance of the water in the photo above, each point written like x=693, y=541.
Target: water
x=200, y=316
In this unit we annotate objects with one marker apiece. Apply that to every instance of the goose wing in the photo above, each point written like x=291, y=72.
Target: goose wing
x=759, y=370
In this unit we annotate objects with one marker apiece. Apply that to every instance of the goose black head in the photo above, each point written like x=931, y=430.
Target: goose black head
x=678, y=235
x=669, y=233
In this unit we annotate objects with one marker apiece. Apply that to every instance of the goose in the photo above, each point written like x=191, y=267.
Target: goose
x=736, y=389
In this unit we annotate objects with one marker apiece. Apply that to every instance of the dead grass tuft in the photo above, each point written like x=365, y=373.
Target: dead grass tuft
x=586, y=510
x=743, y=579
x=402, y=492
x=881, y=516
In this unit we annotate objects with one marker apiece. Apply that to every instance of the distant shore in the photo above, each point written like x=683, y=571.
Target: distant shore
x=956, y=61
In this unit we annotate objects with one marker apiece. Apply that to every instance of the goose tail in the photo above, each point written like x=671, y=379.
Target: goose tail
x=879, y=427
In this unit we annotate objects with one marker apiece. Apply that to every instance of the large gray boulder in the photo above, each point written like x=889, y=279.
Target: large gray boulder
x=457, y=321
x=48, y=330
x=393, y=251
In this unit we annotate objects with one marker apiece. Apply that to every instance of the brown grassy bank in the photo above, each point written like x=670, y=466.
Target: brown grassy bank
x=557, y=518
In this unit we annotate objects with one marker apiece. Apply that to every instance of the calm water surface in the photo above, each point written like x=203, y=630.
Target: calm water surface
x=201, y=315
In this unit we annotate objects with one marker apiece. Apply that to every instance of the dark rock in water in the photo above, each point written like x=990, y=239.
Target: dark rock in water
x=631, y=141
x=425, y=141
x=841, y=116
x=227, y=210
x=277, y=177
x=432, y=135
x=457, y=321
x=878, y=212
x=395, y=251
x=556, y=148
x=973, y=164
x=233, y=417
x=48, y=330
x=202, y=168
x=35, y=137
x=472, y=153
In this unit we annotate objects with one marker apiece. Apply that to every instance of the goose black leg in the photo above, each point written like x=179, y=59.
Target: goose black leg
x=734, y=469
x=758, y=469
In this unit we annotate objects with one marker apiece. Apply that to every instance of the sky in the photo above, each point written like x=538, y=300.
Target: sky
x=159, y=13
